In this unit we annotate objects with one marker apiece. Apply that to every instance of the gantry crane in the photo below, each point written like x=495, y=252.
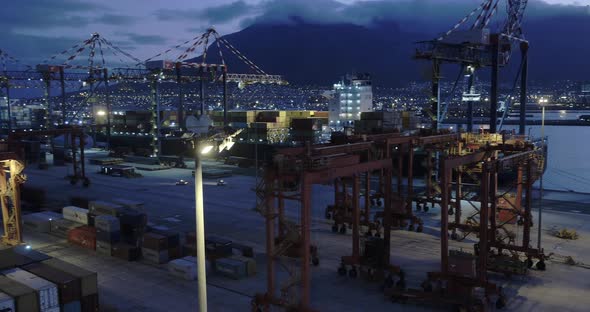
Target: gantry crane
x=475, y=48
x=95, y=73
x=11, y=177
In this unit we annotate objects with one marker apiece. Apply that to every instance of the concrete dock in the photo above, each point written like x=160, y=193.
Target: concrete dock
x=138, y=286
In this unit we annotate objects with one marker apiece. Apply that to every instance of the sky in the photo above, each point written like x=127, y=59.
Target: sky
x=34, y=30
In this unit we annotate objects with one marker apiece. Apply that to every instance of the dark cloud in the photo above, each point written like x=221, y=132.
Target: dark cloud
x=40, y=14
x=412, y=15
x=228, y=12
x=116, y=19
x=146, y=39
x=35, y=49
x=215, y=14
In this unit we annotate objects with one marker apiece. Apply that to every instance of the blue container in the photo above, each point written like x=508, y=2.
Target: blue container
x=110, y=237
x=73, y=306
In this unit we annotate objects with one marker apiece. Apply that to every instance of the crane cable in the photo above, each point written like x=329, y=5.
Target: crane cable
x=463, y=20
x=450, y=95
x=508, y=99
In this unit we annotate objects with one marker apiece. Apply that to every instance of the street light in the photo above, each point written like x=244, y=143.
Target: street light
x=543, y=102
x=200, y=226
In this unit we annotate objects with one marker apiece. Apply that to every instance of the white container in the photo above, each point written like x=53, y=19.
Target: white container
x=99, y=207
x=154, y=256
x=76, y=214
x=183, y=269
x=6, y=303
x=46, y=291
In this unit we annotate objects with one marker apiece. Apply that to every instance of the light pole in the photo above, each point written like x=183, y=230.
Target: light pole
x=542, y=102
x=200, y=225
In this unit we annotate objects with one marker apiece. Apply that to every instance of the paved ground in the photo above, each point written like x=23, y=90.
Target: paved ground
x=143, y=287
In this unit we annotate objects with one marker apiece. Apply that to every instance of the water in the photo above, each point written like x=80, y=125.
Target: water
x=568, y=161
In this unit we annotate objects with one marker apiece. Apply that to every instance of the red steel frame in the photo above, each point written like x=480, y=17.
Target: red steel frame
x=341, y=165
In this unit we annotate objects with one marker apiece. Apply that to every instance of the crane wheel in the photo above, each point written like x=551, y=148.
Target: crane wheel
x=541, y=265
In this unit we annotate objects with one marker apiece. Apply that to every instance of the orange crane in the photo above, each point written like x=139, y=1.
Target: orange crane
x=11, y=177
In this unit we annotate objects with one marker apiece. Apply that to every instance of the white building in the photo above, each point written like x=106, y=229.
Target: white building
x=351, y=96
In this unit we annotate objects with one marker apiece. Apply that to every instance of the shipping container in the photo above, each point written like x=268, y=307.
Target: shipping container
x=53, y=215
x=99, y=207
x=73, y=306
x=125, y=251
x=10, y=259
x=75, y=214
x=90, y=303
x=217, y=247
x=174, y=253
x=107, y=223
x=230, y=267
x=83, y=236
x=132, y=221
x=183, y=269
x=25, y=298
x=104, y=248
x=62, y=227
x=37, y=222
x=30, y=253
x=6, y=303
x=109, y=237
x=69, y=286
x=88, y=279
x=154, y=256
x=91, y=218
x=172, y=237
x=47, y=292
x=155, y=241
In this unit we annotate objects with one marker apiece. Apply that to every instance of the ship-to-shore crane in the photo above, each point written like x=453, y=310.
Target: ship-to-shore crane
x=474, y=47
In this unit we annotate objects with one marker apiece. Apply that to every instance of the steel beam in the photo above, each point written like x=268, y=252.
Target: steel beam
x=494, y=39
x=524, y=50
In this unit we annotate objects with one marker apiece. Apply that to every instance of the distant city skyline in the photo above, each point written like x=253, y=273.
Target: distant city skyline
x=35, y=29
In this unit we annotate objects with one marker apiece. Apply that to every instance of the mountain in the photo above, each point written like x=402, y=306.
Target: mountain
x=320, y=54
x=308, y=53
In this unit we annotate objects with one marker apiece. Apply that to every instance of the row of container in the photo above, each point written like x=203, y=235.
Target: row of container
x=31, y=281
x=115, y=230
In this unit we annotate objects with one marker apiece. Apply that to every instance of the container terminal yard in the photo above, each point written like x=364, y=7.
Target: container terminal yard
x=274, y=210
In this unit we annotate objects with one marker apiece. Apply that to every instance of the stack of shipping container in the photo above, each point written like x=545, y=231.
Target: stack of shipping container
x=33, y=281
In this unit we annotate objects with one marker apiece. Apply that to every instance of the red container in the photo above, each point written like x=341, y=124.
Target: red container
x=83, y=236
